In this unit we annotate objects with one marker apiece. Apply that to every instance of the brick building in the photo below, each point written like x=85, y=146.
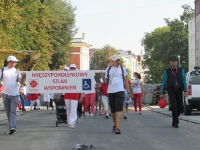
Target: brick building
x=80, y=52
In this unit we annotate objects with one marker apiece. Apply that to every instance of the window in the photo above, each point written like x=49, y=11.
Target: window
x=194, y=77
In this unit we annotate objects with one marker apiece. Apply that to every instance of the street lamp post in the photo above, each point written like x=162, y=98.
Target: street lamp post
x=179, y=63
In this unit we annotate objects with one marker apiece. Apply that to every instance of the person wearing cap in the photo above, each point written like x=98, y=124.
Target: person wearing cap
x=116, y=77
x=10, y=91
x=175, y=82
x=71, y=102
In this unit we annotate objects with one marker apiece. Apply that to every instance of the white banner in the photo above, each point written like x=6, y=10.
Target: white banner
x=59, y=81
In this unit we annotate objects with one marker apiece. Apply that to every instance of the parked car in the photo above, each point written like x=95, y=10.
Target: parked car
x=192, y=101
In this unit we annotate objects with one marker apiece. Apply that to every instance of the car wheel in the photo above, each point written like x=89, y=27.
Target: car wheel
x=187, y=111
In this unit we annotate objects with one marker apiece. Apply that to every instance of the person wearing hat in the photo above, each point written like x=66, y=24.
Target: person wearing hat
x=116, y=78
x=175, y=82
x=71, y=102
x=10, y=91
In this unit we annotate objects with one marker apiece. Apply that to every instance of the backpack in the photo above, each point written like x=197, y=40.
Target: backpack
x=109, y=76
x=2, y=73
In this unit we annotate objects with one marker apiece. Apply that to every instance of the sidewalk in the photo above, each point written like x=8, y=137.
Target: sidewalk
x=194, y=118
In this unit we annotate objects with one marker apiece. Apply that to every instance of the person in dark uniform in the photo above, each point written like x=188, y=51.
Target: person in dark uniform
x=175, y=82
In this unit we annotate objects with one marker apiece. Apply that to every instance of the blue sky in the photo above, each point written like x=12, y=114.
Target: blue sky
x=122, y=23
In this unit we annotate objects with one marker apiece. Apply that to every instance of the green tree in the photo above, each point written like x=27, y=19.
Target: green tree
x=62, y=30
x=164, y=42
x=155, y=59
x=101, y=59
x=31, y=25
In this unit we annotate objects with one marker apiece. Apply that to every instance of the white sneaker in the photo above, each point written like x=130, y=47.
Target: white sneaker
x=136, y=113
x=86, y=114
x=91, y=115
x=72, y=127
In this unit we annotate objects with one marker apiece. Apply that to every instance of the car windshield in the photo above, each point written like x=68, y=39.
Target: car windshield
x=194, y=77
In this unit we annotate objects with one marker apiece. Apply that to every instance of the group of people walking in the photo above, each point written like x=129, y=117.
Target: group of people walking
x=115, y=91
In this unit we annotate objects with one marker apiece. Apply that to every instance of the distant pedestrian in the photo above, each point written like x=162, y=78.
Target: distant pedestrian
x=127, y=101
x=22, y=91
x=51, y=104
x=103, y=90
x=175, y=81
x=137, y=92
x=46, y=100
x=34, y=99
x=115, y=77
x=89, y=102
x=10, y=92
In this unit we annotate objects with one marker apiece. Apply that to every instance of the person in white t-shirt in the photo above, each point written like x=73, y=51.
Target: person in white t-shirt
x=116, y=77
x=10, y=91
x=137, y=92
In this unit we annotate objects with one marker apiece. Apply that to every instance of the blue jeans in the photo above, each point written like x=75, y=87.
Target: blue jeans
x=10, y=104
x=22, y=98
x=41, y=99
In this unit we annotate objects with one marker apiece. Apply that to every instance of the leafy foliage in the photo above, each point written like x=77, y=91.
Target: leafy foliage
x=47, y=27
x=101, y=59
x=165, y=42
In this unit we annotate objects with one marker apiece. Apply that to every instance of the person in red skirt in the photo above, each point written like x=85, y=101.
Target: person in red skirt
x=34, y=98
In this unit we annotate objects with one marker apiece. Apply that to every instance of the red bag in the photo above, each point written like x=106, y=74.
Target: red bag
x=19, y=105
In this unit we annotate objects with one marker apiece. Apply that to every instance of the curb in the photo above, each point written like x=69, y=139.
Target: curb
x=171, y=116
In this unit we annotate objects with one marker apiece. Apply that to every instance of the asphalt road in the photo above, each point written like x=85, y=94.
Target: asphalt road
x=36, y=130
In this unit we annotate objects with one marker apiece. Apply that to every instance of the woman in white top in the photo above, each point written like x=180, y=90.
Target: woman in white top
x=137, y=92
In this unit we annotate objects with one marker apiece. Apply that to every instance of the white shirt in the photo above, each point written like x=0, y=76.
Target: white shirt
x=10, y=83
x=136, y=86
x=116, y=82
x=23, y=89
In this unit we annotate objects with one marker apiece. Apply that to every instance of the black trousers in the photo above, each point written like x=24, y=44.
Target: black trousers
x=79, y=108
x=51, y=103
x=176, y=101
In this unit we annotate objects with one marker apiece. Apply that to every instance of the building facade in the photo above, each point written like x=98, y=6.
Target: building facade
x=197, y=32
x=80, y=52
x=132, y=61
x=191, y=41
